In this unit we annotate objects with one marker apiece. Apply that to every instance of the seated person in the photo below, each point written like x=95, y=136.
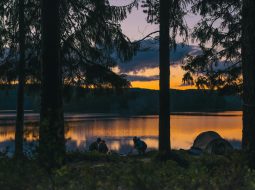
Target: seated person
x=139, y=145
x=95, y=145
x=103, y=147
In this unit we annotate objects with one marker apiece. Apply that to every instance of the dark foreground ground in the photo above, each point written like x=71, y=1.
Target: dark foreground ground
x=94, y=171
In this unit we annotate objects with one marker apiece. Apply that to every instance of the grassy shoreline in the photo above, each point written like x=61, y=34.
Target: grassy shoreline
x=97, y=171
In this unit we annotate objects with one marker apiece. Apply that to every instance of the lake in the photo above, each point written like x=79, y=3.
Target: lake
x=118, y=131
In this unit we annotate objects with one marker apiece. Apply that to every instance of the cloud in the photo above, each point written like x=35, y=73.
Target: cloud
x=148, y=57
x=132, y=78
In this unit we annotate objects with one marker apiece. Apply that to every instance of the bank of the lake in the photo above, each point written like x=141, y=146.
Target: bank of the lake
x=94, y=171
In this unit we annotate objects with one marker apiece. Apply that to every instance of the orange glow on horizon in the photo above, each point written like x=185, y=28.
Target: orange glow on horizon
x=176, y=75
x=154, y=85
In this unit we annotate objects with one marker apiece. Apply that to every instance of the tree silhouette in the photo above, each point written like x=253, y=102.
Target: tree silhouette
x=170, y=16
x=229, y=26
x=21, y=84
x=91, y=40
x=219, y=36
x=164, y=82
x=12, y=52
x=51, y=133
x=91, y=37
x=248, y=68
x=89, y=47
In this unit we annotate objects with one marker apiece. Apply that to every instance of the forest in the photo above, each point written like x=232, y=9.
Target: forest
x=130, y=102
x=59, y=57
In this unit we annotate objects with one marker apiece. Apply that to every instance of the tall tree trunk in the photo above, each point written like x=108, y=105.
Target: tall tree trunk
x=52, y=141
x=248, y=63
x=21, y=84
x=164, y=102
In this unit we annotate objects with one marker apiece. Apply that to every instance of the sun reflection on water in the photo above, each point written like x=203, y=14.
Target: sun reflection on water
x=118, y=132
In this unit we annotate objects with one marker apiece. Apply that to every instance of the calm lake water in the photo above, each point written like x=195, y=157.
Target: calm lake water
x=82, y=129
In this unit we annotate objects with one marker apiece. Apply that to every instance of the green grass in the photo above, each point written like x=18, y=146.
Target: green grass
x=96, y=171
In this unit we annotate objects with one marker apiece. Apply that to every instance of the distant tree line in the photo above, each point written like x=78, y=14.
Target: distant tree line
x=129, y=102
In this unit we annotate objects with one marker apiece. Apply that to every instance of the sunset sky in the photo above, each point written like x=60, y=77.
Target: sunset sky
x=136, y=27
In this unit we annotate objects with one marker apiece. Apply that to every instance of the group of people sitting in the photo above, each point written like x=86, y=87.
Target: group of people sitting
x=100, y=146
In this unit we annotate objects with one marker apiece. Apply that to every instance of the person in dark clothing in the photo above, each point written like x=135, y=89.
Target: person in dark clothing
x=103, y=147
x=139, y=145
x=95, y=145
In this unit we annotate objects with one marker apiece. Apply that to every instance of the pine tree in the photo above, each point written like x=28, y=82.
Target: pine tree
x=218, y=67
x=169, y=14
x=229, y=26
x=52, y=140
x=164, y=82
x=20, y=94
x=91, y=42
x=248, y=68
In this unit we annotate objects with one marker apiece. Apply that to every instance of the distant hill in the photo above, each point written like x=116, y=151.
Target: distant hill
x=128, y=101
